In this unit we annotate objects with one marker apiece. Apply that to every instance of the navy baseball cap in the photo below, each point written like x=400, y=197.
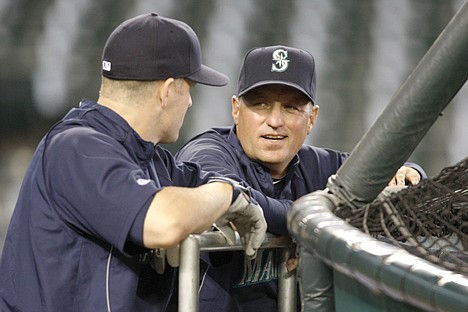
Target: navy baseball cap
x=278, y=65
x=152, y=47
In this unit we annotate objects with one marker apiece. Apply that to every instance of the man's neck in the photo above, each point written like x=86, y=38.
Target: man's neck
x=133, y=116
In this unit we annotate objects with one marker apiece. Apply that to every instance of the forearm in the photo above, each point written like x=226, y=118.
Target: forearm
x=275, y=211
x=177, y=212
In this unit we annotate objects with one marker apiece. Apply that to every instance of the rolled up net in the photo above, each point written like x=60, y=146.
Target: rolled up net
x=429, y=220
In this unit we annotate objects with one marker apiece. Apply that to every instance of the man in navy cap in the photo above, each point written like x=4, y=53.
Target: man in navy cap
x=274, y=110
x=100, y=194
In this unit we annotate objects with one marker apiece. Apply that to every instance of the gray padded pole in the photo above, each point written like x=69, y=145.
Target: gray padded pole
x=316, y=283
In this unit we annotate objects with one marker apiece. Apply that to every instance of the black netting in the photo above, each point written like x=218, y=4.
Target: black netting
x=430, y=219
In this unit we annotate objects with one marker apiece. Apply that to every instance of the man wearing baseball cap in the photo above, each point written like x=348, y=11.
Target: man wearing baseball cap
x=100, y=195
x=274, y=110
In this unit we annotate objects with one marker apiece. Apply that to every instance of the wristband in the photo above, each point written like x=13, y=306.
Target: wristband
x=237, y=188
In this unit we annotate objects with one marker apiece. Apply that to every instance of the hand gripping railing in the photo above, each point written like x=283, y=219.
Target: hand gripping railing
x=189, y=267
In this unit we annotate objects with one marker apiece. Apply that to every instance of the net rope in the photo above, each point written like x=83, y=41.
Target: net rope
x=429, y=220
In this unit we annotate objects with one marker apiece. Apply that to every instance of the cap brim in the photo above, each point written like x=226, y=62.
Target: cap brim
x=209, y=77
x=269, y=82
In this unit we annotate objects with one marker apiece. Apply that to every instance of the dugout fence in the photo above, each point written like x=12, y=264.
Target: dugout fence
x=389, y=254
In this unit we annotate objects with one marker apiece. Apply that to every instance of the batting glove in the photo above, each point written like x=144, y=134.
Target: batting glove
x=246, y=216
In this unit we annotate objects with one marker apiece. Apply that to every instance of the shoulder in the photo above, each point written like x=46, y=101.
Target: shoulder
x=73, y=135
x=212, y=135
x=212, y=141
x=322, y=156
x=78, y=140
x=320, y=151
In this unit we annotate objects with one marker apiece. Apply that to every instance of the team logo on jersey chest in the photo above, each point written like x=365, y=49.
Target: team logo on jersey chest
x=262, y=269
x=280, y=60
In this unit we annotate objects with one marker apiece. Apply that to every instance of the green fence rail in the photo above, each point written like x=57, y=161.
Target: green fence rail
x=371, y=275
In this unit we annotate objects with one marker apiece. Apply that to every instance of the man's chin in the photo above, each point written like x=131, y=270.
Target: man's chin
x=169, y=140
x=271, y=160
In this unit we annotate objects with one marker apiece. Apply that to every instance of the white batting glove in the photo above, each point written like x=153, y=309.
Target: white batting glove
x=247, y=218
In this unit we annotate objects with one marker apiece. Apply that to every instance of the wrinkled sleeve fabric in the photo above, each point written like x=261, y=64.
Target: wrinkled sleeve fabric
x=183, y=174
x=214, y=156
x=97, y=189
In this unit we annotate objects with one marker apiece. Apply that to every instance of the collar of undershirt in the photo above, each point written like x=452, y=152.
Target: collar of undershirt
x=278, y=180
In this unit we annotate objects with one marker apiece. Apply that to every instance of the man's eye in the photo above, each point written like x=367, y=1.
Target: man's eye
x=291, y=108
x=260, y=105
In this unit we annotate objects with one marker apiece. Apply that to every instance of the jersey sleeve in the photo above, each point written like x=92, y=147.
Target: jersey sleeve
x=184, y=174
x=214, y=156
x=96, y=187
x=418, y=168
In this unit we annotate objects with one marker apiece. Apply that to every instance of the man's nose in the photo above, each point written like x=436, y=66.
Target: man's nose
x=275, y=117
x=190, y=101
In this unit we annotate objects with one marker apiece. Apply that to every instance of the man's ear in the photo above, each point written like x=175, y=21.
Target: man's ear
x=165, y=91
x=235, y=103
x=313, y=117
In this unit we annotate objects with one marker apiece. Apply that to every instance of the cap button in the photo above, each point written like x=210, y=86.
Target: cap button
x=154, y=14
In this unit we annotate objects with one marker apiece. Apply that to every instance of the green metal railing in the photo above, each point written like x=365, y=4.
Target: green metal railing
x=374, y=268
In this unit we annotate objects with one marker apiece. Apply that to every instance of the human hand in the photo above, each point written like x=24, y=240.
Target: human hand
x=292, y=264
x=293, y=260
x=405, y=176
x=247, y=218
x=161, y=256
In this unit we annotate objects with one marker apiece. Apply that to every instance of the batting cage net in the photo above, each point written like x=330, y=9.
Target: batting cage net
x=429, y=220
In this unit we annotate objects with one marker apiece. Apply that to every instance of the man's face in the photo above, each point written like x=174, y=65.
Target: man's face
x=272, y=122
x=179, y=101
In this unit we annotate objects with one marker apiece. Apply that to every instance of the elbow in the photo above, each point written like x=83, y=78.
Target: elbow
x=166, y=235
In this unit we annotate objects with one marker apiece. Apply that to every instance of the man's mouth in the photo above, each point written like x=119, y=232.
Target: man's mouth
x=274, y=137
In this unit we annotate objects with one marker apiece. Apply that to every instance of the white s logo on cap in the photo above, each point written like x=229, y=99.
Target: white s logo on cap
x=280, y=60
x=106, y=65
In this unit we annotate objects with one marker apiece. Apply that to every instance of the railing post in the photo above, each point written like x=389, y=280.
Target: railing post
x=189, y=269
x=286, y=285
x=189, y=274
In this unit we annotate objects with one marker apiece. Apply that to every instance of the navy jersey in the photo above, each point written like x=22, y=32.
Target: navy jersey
x=74, y=242
x=230, y=282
